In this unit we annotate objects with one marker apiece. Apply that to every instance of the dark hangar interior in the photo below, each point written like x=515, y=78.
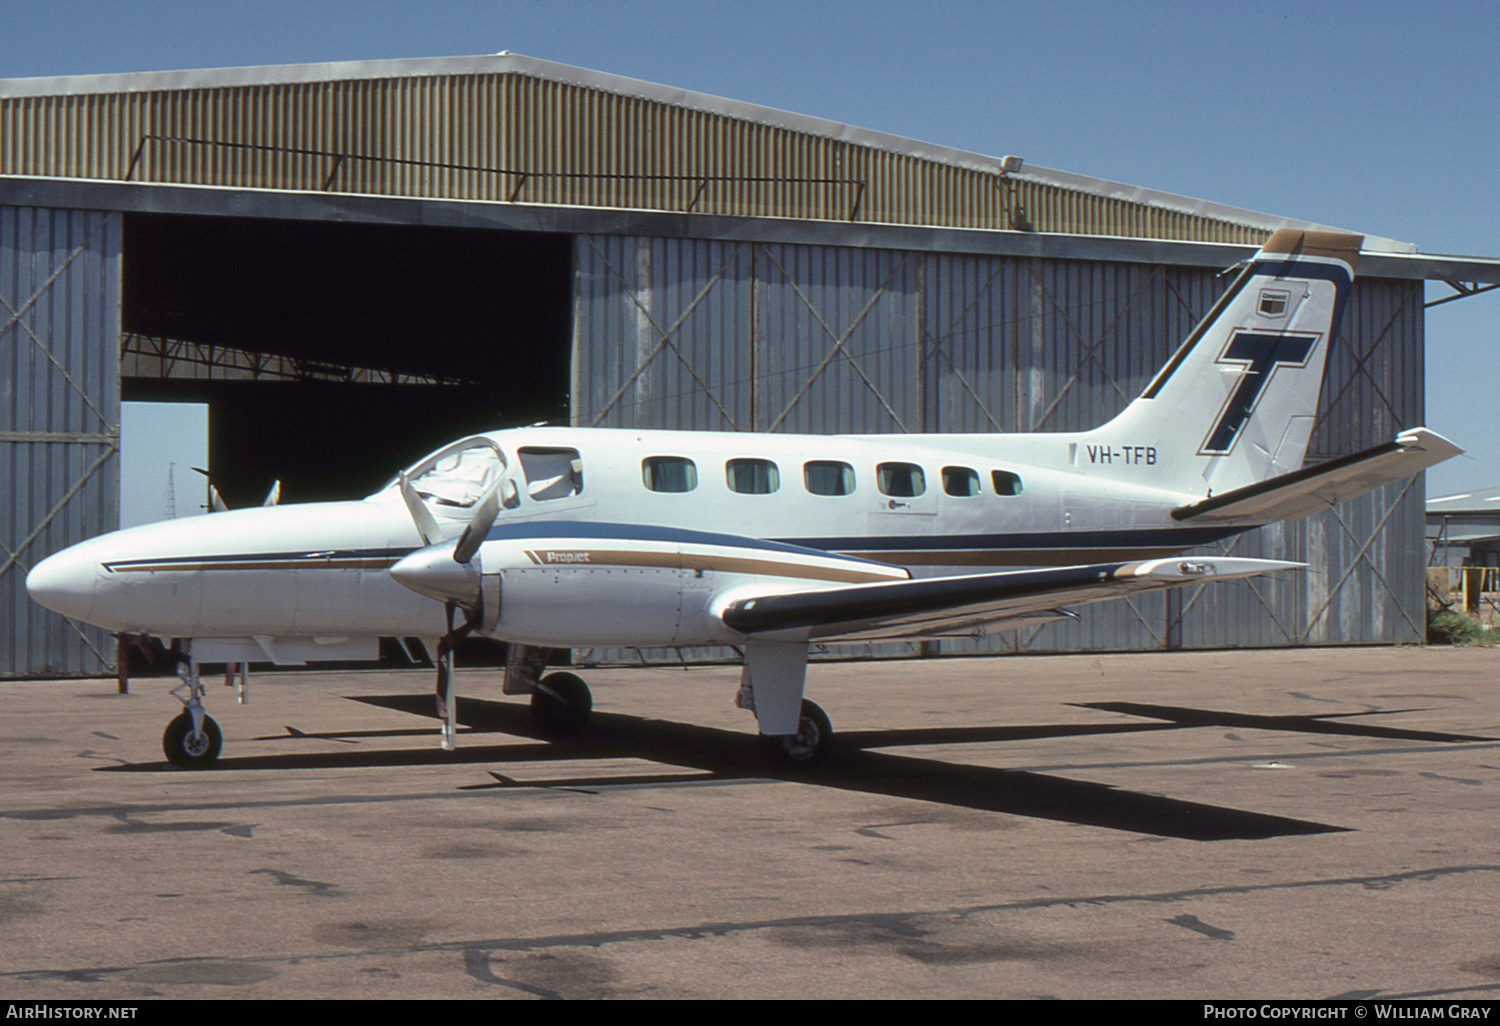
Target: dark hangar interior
x=464, y=330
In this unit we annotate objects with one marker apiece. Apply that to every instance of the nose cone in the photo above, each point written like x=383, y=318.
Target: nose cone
x=434, y=572
x=66, y=583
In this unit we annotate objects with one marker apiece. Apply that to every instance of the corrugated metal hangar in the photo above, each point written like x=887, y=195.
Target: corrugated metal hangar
x=354, y=263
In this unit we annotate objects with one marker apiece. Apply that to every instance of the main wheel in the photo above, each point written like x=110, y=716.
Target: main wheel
x=805, y=749
x=192, y=749
x=561, y=704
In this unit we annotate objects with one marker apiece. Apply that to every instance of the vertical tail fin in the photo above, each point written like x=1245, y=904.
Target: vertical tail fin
x=1235, y=404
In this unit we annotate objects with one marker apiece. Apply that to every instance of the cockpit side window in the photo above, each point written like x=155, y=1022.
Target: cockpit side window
x=460, y=474
x=551, y=473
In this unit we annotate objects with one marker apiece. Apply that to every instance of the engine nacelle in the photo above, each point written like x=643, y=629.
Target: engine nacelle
x=641, y=587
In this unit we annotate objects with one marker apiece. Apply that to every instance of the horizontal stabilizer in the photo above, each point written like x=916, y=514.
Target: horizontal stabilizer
x=1314, y=489
x=959, y=606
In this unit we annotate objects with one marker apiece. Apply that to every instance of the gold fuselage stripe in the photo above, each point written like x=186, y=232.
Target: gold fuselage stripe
x=1009, y=557
x=573, y=558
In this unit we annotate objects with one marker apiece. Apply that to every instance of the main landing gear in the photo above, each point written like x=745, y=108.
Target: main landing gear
x=561, y=704
x=771, y=687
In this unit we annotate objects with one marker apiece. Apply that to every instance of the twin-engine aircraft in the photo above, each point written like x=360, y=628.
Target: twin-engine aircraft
x=555, y=538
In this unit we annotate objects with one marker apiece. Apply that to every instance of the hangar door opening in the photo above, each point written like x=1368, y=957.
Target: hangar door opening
x=331, y=353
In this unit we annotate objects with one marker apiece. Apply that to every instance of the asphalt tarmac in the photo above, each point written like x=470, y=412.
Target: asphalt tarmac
x=1256, y=824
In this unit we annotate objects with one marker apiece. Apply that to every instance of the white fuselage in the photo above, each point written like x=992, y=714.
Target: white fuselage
x=319, y=571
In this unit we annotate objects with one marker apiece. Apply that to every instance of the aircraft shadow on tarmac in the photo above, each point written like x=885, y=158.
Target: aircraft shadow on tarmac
x=723, y=755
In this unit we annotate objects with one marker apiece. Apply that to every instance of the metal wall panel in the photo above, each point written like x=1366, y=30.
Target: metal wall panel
x=676, y=314
x=837, y=329
x=823, y=339
x=59, y=420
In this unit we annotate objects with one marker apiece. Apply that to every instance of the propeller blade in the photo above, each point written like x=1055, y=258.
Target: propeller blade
x=426, y=526
x=446, y=700
x=485, y=512
x=216, y=503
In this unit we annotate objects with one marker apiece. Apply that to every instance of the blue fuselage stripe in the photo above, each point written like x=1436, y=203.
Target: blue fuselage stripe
x=889, y=546
x=1063, y=540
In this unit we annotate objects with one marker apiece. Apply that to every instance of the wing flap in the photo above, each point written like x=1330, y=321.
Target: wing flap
x=952, y=606
x=285, y=651
x=1313, y=489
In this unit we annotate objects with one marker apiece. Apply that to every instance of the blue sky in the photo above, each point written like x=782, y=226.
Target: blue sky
x=1373, y=116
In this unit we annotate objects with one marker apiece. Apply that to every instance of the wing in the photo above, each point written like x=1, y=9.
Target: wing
x=1313, y=489
x=960, y=606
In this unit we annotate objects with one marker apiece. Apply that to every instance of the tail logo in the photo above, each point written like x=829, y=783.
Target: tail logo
x=1259, y=355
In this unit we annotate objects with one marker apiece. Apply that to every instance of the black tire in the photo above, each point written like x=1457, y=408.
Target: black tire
x=184, y=748
x=560, y=718
x=806, y=749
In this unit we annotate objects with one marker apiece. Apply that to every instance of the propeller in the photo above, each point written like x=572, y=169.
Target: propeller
x=216, y=503
x=426, y=526
x=450, y=577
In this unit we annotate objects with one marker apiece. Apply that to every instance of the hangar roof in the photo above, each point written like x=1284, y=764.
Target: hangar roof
x=1481, y=501
x=507, y=126
x=529, y=133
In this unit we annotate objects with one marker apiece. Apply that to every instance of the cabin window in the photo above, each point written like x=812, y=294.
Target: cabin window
x=960, y=481
x=669, y=473
x=902, y=480
x=1005, y=482
x=752, y=477
x=828, y=477
x=551, y=473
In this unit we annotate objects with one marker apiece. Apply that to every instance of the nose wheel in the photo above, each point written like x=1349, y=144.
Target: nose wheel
x=189, y=748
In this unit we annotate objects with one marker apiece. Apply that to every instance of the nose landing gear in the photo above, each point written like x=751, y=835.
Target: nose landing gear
x=192, y=740
x=189, y=747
